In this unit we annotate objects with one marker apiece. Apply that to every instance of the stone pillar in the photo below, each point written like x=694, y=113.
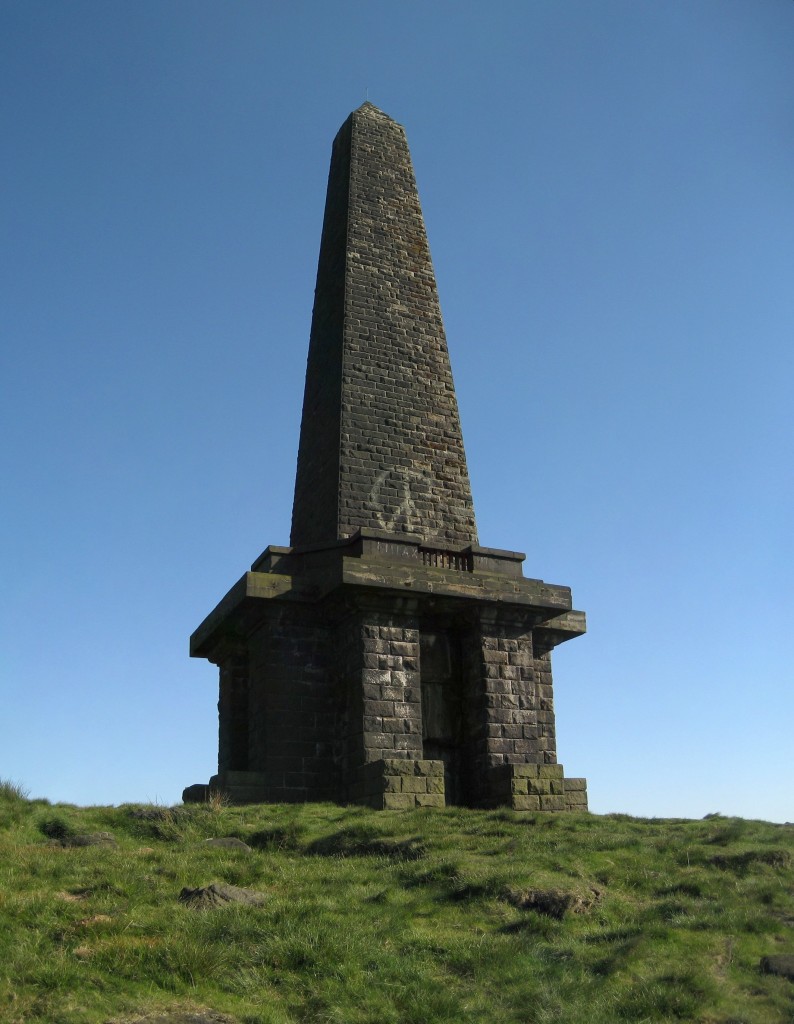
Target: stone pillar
x=546, y=727
x=379, y=657
x=510, y=689
x=292, y=710
x=233, y=707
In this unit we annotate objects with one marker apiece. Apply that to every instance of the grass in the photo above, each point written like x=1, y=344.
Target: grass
x=425, y=917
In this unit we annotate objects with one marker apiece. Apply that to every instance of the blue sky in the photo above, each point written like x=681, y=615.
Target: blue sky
x=607, y=189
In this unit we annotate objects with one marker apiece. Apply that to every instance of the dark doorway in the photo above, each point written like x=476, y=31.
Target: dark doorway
x=442, y=718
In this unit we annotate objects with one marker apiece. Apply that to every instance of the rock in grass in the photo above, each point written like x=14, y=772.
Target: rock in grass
x=553, y=902
x=781, y=963
x=229, y=843
x=218, y=894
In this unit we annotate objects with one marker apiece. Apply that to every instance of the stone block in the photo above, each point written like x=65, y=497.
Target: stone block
x=196, y=794
x=575, y=785
x=553, y=803
x=408, y=742
x=394, y=725
x=519, y=786
x=430, y=800
x=414, y=784
x=526, y=803
x=399, y=801
x=551, y=771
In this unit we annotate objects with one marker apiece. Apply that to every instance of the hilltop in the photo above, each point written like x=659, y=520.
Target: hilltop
x=372, y=917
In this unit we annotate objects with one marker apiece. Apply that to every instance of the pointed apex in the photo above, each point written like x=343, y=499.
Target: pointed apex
x=370, y=108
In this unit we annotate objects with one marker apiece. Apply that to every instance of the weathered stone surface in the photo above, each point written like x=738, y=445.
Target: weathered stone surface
x=228, y=843
x=554, y=902
x=781, y=963
x=219, y=894
x=195, y=794
x=381, y=445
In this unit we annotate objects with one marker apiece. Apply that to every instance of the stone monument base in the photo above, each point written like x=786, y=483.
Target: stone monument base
x=396, y=784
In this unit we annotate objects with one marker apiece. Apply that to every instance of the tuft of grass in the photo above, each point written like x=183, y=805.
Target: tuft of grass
x=12, y=792
x=14, y=804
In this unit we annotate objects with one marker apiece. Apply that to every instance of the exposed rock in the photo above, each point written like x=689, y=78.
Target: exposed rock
x=229, y=842
x=218, y=894
x=554, y=902
x=197, y=794
x=781, y=963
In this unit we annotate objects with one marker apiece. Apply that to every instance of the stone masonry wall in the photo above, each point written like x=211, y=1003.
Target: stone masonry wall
x=399, y=784
x=511, y=703
x=536, y=787
x=397, y=456
x=380, y=654
x=547, y=735
x=316, y=503
x=292, y=713
x=233, y=727
x=510, y=685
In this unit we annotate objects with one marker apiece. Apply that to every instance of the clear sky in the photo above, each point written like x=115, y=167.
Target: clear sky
x=607, y=189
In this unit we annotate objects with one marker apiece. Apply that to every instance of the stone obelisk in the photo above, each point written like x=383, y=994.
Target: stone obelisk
x=381, y=445
x=385, y=657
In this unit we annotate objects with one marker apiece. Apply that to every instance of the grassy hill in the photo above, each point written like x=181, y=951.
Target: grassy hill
x=392, y=918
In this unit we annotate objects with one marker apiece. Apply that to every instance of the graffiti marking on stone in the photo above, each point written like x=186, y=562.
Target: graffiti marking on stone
x=392, y=513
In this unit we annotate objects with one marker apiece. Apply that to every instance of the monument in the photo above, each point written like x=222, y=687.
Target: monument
x=384, y=657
